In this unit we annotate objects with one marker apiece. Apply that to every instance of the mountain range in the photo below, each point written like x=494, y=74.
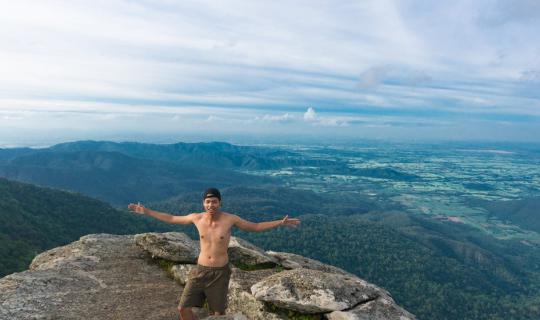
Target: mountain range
x=435, y=269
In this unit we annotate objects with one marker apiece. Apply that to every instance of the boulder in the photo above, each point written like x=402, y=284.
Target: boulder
x=98, y=277
x=312, y=291
x=294, y=261
x=105, y=276
x=382, y=308
x=245, y=254
x=172, y=246
x=240, y=298
x=81, y=255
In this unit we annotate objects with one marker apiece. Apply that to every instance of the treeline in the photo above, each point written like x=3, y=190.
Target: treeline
x=431, y=284
x=34, y=219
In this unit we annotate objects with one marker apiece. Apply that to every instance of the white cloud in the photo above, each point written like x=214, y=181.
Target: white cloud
x=333, y=122
x=283, y=118
x=372, y=77
x=256, y=61
x=310, y=114
x=312, y=117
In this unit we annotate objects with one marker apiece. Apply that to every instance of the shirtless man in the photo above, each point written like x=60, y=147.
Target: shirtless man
x=210, y=278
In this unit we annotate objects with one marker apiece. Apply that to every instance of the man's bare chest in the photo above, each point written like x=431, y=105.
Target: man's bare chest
x=214, y=231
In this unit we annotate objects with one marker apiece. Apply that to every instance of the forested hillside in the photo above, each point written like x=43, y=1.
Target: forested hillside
x=434, y=277
x=437, y=269
x=117, y=178
x=34, y=219
x=523, y=212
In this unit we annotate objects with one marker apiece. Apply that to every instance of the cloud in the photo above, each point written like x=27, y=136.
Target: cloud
x=333, y=122
x=193, y=60
x=530, y=76
x=403, y=75
x=283, y=118
x=372, y=77
x=310, y=115
x=502, y=12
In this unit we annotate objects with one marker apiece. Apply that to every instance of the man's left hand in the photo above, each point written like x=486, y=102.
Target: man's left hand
x=293, y=222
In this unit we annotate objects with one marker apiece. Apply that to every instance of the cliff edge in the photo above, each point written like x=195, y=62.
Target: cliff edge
x=103, y=276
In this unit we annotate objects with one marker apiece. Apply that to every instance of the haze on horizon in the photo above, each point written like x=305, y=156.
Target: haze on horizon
x=167, y=70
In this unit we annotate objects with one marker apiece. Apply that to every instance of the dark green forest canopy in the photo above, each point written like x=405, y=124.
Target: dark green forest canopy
x=437, y=270
x=34, y=219
x=430, y=275
x=523, y=212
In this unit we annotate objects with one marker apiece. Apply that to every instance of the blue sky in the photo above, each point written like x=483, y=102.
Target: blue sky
x=411, y=70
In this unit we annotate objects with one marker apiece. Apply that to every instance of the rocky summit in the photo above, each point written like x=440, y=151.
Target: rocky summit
x=103, y=276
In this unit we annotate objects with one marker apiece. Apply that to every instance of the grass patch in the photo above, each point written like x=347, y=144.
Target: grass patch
x=291, y=314
x=166, y=265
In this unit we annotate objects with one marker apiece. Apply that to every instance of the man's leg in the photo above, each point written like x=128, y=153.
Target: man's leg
x=192, y=295
x=216, y=293
x=185, y=313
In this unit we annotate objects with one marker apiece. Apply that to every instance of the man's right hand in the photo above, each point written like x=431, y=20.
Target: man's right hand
x=137, y=208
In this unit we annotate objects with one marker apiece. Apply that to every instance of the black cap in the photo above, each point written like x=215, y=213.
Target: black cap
x=212, y=193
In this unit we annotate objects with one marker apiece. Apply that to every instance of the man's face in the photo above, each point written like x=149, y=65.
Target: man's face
x=211, y=205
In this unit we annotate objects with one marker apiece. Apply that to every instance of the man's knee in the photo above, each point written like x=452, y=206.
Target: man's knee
x=185, y=313
x=183, y=310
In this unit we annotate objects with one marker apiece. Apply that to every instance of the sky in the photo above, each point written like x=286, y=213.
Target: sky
x=167, y=71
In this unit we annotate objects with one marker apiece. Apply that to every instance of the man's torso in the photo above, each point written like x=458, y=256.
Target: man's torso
x=214, y=236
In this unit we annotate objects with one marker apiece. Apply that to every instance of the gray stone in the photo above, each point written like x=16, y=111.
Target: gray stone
x=242, y=252
x=172, y=246
x=294, y=261
x=97, y=277
x=200, y=313
x=313, y=291
x=383, y=308
x=246, y=279
x=180, y=272
x=112, y=277
x=240, y=298
x=236, y=316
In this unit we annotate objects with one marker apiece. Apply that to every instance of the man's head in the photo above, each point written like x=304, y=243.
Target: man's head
x=212, y=200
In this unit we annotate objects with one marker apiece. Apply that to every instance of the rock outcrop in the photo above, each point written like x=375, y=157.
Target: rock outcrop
x=311, y=291
x=98, y=277
x=104, y=276
x=293, y=261
x=243, y=253
x=173, y=246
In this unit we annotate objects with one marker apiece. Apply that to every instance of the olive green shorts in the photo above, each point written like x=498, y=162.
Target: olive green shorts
x=211, y=283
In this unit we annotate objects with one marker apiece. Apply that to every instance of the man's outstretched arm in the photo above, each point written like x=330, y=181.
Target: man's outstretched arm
x=262, y=226
x=165, y=217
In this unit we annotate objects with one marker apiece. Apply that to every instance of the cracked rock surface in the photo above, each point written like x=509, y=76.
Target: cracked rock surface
x=314, y=291
x=172, y=246
x=103, y=276
x=382, y=308
x=98, y=277
x=242, y=252
x=293, y=261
